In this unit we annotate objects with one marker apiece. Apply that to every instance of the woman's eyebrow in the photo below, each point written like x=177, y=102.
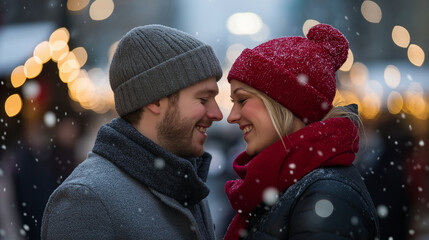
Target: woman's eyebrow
x=234, y=92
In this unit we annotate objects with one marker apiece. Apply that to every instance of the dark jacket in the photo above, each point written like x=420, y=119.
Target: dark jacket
x=130, y=188
x=328, y=203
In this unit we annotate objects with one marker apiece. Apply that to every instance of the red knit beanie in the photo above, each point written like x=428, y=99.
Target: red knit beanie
x=297, y=72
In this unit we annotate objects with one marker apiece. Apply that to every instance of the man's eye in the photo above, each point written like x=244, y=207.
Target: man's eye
x=204, y=100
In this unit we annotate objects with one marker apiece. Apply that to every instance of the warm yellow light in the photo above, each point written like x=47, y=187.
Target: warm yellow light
x=81, y=55
x=338, y=99
x=59, y=50
x=350, y=98
x=13, y=105
x=67, y=77
x=77, y=5
x=32, y=67
x=309, y=23
x=43, y=51
x=61, y=34
x=395, y=102
x=371, y=11
x=415, y=104
x=349, y=62
x=234, y=51
x=392, y=76
x=244, y=23
x=79, y=83
x=18, y=77
x=416, y=55
x=370, y=106
x=400, y=36
x=69, y=66
x=101, y=9
x=359, y=74
x=112, y=50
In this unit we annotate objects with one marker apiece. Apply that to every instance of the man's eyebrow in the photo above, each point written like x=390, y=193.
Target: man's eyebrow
x=208, y=90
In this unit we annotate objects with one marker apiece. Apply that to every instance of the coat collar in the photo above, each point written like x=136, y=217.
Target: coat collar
x=179, y=178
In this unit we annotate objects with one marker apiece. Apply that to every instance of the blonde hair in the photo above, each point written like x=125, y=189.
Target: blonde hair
x=284, y=120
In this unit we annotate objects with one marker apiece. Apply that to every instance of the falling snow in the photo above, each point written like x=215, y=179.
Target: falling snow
x=303, y=79
x=324, y=208
x=382, y=211
x=270, y=196
x=354, y=220
x=159, y=163
x=49, y=119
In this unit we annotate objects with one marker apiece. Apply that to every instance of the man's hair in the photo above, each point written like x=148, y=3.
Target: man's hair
x=135, y=117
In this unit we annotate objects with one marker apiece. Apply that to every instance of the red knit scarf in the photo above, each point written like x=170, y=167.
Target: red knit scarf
x=332, y=142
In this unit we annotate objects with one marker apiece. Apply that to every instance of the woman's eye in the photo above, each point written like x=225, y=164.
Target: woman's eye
x=241, y=101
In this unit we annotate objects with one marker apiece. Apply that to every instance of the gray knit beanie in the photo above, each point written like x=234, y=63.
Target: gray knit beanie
x=154, y=61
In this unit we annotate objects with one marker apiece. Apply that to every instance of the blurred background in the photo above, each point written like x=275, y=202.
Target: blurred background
x=55, y=93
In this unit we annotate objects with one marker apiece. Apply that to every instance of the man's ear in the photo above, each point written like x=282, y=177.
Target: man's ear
x=154, y=107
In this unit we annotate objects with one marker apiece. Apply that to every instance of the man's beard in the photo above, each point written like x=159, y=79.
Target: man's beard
x=175, y=134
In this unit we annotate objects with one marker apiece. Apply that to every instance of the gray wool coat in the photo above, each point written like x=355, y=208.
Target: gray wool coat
x=100, y=201
x=116, y=193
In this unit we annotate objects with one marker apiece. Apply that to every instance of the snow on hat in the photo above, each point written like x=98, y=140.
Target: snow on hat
x=297, y=72
x=154, y=61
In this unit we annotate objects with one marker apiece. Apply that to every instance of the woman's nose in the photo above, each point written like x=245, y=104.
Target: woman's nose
x=233, y=116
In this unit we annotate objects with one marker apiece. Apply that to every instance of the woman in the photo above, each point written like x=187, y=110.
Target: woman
x=296, y=180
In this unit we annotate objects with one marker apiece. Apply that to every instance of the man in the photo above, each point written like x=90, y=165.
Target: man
x=144, y=178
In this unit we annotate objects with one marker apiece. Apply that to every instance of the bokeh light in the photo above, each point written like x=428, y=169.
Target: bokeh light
x=81, y=55
x=18, y=77
x=234, y=51
x=101, y=9
x=112, y=50
x=13, y=105
x=392, y=76
x=371, y=105
x=359, y=74
x=43, y=51
x=244, y=23
x=31, y=89
x=32, y=67
x=262, y=35
x=395, y=102
x=61, y=34
x=309, y=23
x=401, y=36
x=349, y=62
x=371, y=11
x=59, y=49
x=77, y=5
x=416, y=55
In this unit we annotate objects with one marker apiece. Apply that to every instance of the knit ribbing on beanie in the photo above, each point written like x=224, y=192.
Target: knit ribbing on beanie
x=154, y=61
x=281, y=85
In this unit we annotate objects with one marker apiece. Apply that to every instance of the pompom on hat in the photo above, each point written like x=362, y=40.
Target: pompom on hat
x=297, y=72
